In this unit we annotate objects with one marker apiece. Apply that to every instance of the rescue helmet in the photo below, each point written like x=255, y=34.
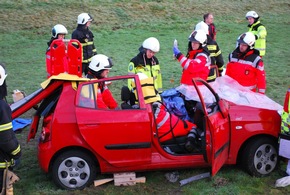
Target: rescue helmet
x=202, y=26
x=151, y=43
x=3, y=75
x=252, y=14
x=100, y=62
x=58, y=29
x=198, y=36
x=247, y=38
x=83, y=18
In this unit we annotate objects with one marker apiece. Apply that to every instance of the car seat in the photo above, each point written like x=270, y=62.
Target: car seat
x=128, y=98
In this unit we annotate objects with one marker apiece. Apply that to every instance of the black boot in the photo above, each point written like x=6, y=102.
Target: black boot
x=191, y=145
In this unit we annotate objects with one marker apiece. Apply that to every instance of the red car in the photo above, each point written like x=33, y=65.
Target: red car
x=79, y=141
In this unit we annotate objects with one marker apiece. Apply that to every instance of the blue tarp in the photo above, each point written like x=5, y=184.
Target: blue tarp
x=20, y=123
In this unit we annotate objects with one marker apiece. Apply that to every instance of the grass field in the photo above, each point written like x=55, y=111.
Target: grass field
x=120, y=26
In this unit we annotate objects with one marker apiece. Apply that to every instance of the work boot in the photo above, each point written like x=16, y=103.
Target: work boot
x=191, y=146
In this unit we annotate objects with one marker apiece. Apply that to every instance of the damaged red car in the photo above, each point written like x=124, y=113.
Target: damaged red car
x=78, y=140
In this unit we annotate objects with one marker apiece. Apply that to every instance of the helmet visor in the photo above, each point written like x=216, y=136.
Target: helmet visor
x=110, y=65
x=241, y=39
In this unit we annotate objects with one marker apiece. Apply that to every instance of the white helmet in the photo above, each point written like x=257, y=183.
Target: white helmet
x=198, y=36
x=100, y=62
x=202, y=26
x=252, y=14
x=151, y=43
x=3, y=75
x=247, y=38
x=58, y=29
x=142, y=76
x=83, y=18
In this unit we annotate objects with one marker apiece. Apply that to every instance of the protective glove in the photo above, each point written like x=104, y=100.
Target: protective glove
x=176, y=51
x=283, y=182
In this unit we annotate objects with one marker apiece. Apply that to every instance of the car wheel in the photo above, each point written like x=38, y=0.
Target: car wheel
x=260, y=157
x=73, y=170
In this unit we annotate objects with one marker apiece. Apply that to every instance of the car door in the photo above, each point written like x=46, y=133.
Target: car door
x=216, y=119
x=121, y=137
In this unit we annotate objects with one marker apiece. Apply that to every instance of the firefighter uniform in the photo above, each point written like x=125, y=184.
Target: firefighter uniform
x=260, y=33
x=86, y=38
x=216, y=59
x=150, y=67
x=196, y=64
x=9, y=146
x=247, y=69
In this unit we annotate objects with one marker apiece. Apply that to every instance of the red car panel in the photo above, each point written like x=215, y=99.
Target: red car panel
x=126, y=140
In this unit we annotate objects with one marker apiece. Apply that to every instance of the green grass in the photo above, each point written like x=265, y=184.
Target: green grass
x=120, y=26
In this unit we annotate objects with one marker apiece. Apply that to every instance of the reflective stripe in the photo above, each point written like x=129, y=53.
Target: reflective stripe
x=245, y=61
x=186, y=64
x=16, y=151
x=157, y=111
x=4, y=164
x=250, y=87
x=183, y=59
x=262, y=90
x=163, y=120
x=211, y=47
x=87, y=60
x=88, y=43
x=6, y=126
x=212, y=76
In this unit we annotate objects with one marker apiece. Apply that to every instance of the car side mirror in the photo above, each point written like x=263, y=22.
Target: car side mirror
x=224, y=107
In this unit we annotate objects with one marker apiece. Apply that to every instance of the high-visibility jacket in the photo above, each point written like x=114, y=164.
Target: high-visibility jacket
x=86, y=38
x=216, y=59
x=169, y=125
x=9, y=146
x=285, y=125
x=260, y=33
x=196, y=65
x=247, y=69
x=150, y=67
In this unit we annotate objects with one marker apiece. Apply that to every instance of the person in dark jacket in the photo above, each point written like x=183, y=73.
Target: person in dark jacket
x=217, y=61
x=83, y=34
x=58, y=32
x=208, y=19
x=10, y=150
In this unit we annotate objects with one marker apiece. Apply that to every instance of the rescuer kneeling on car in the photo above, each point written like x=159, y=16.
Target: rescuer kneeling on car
x=9, y=146
x=99, y=68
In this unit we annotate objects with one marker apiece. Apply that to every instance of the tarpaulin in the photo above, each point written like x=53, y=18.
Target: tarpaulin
x=20, y=123
x=230, y=90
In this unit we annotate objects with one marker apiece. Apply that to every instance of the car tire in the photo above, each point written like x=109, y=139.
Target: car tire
x=260, y=157
x=73, y=170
